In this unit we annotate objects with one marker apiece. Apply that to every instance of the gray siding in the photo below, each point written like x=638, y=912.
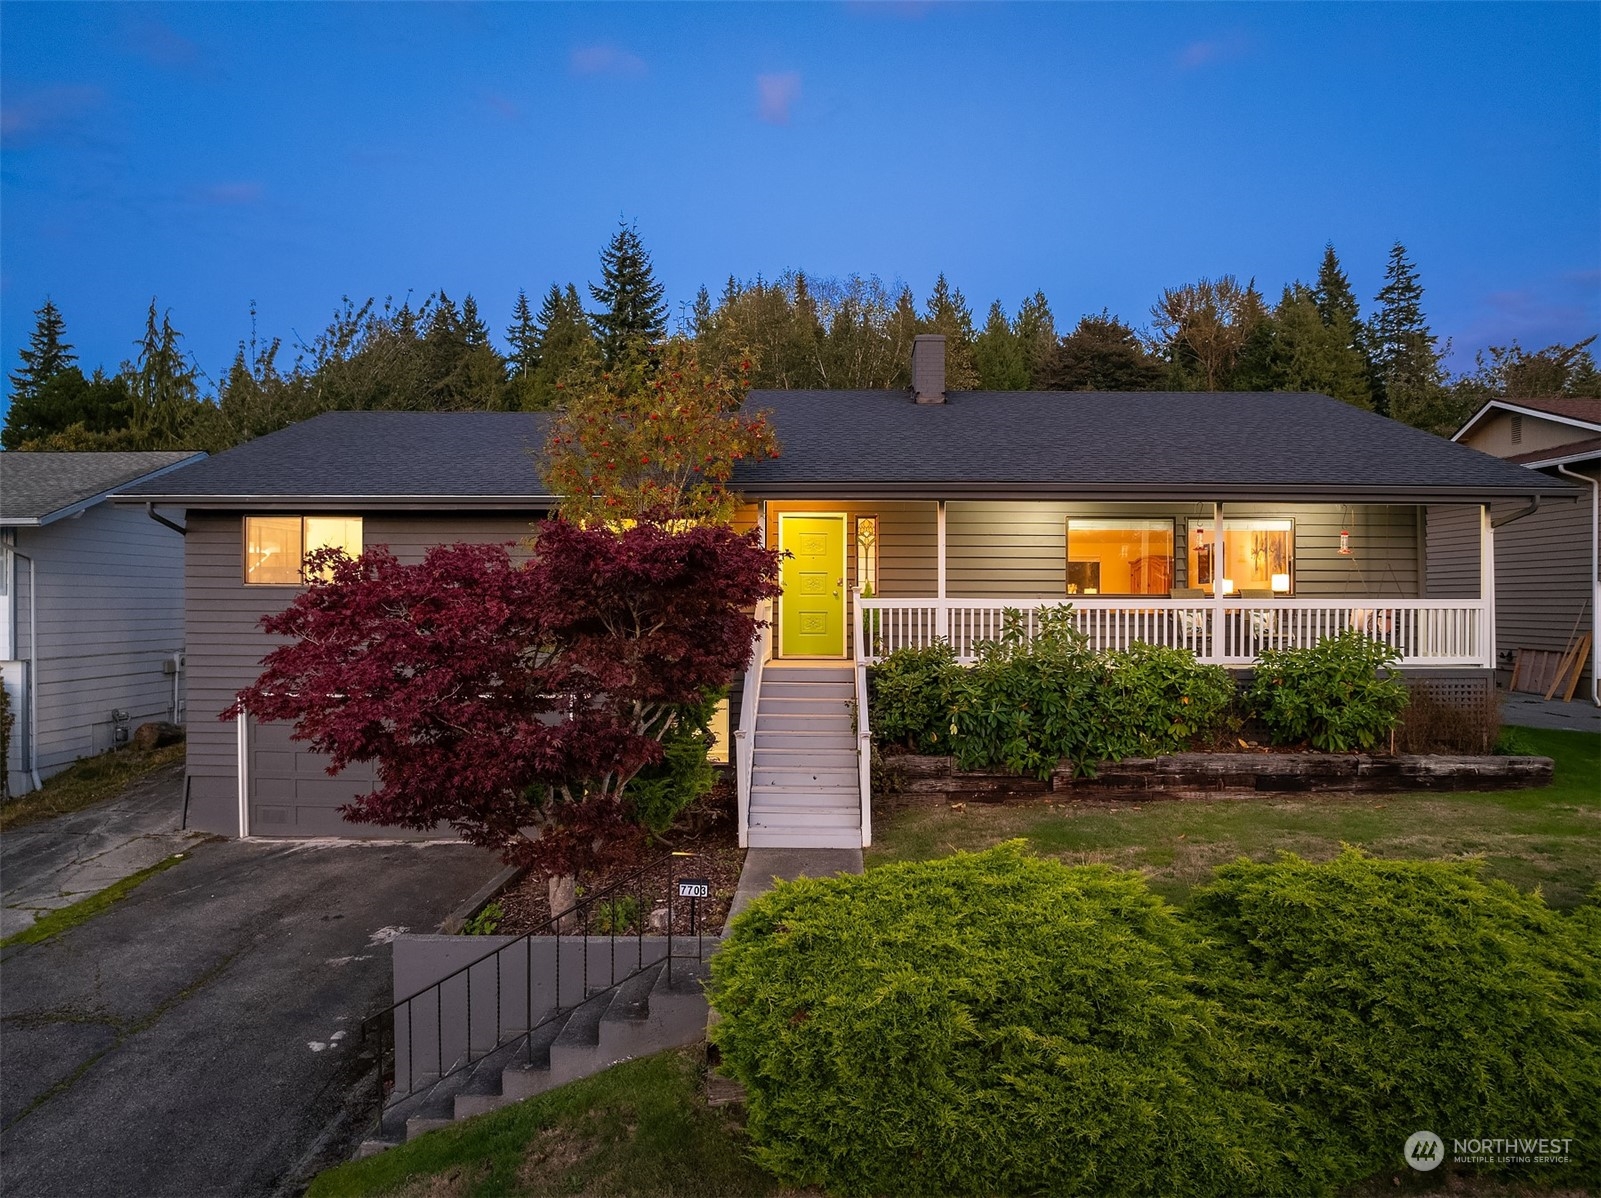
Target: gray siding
x=1018, y=549
x=109, y=610
x=226, y=645
x=1453, y=551
x=1542, y=589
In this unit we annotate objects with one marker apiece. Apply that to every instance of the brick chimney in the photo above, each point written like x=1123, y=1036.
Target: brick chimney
x=928, y=368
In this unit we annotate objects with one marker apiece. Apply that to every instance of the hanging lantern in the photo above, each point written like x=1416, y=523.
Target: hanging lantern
x=1345, y=543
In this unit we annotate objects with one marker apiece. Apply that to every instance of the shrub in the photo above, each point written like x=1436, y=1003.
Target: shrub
x=984, y=1024
x=1380, y=997
x=1158, y=700
x=660, y=792
x=486, y=921
x=1340, y=694
x=908, y=697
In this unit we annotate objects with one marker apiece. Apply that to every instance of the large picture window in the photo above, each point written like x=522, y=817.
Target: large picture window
x=276, y=546
x=1118, y=556
x=1258, y=558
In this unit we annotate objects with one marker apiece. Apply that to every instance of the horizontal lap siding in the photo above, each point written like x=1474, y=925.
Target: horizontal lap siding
x=110, y=616
x=1452, y=551
x=1018, y=549
x=1542, y=591
x=226, y=645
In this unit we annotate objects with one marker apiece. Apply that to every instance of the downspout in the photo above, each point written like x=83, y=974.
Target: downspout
x=150, y=510
x=1511, y=517
x=1595, y=577
x=33, y=668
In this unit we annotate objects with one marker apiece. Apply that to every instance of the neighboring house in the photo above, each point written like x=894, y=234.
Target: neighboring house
x=91, y=607
x=1547, y=593
x=907, y=517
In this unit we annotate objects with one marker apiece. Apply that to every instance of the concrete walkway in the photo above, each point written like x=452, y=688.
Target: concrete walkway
x=763, y=867
x=56, y=862
x=1531, y=711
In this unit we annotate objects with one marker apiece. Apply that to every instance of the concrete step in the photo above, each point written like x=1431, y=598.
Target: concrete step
x=481, y=1088
x=807, y=739
x=574, y=1050
x=804, y=838
x=672, y=1015
x=841, y=691
x=799, y=759
x=773, y=672
x=800, y=777
x=530, y=1074
x=839, y=725
x=804, y=817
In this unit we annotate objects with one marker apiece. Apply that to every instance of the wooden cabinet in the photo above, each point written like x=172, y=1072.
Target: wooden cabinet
x=1151, y=575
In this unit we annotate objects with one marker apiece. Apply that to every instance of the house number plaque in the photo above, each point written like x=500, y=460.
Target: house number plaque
x=694, y=888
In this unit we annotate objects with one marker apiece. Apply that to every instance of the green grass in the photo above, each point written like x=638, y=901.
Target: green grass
x=88, y=781
x=63, y=918
x=638, y=1129
x=1548, y=837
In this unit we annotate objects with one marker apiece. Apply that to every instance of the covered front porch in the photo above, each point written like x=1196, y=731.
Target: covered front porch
x=1225, y=581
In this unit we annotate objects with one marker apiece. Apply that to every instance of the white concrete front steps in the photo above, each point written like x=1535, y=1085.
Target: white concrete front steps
x=649, y=1012
x=804, y=789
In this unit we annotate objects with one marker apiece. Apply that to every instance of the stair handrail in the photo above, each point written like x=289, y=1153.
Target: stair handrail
x=744, y=735
x=375, y=1024
x=864, y=735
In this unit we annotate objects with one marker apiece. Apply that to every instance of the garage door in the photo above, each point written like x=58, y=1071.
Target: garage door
x=291, y=793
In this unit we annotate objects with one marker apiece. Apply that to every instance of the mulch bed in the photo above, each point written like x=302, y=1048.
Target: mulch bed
x=708, y=832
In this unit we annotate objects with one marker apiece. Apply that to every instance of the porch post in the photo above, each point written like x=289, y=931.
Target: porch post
x=939, y=539
x=1218, y=635
x=1486, y=588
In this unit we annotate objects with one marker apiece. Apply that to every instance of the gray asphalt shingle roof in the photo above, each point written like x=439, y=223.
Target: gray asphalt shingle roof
x=34, y=486
x=865, y=443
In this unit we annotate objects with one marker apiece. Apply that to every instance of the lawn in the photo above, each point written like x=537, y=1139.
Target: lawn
x=641, y=1128
x=88, y=781
x=1548, y=838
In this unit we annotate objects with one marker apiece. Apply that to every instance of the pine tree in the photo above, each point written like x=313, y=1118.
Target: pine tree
x=523, y=336
x=46, y=355
x=474, y=331
x=1337, y=308
x=947, y=314
x=1305, y=354
x=1036, y=333
x=165, y=395
x=633, y=314
x=1101, y=354
x=700, y=313
x=998, y=354
x=1406, y=358
x=567, y=348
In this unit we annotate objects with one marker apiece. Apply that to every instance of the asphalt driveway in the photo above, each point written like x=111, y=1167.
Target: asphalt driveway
x=201, y=1036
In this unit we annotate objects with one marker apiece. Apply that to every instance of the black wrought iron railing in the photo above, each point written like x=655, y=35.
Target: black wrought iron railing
x=519, y=987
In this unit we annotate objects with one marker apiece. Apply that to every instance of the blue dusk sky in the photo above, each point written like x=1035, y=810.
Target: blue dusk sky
x=212, y=155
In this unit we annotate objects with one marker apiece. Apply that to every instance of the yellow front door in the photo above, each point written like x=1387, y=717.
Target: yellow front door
x=811, y=611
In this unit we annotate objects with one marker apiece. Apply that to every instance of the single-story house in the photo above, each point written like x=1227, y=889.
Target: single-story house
x=91, y=607
x=1548, y=565
x=1223, y=523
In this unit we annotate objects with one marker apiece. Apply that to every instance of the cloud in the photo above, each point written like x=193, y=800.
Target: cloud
x=605, y=59
x=1210, y=51
x=47, y=114
x=230, y=195
x=161, y=45
x=504, y=105
x=776, y=94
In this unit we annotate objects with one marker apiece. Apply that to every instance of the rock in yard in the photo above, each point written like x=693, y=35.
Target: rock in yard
x=156, y=735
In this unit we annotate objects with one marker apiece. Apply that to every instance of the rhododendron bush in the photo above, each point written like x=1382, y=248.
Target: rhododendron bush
x=514, y=700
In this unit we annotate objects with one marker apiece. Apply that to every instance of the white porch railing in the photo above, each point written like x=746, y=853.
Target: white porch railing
x=745, y=736
x=1423, y=632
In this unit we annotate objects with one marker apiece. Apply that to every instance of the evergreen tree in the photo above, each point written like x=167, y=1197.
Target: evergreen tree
x=165, y=394
x=567, y=348
x=474, y=331
x=1101, y=354
x=998, y=354
x=700, y=313
x=1305, y=354
x=948, y=314
x=46, y=355
x=633, y=314
x=523, y=336
x=1337, y=308
x=1406, y=358
x=1036, y=333
x=71, y=412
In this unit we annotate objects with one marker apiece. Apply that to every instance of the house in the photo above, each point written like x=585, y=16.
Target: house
x=1223, y=523
x=91, y=607
x=1547, y=593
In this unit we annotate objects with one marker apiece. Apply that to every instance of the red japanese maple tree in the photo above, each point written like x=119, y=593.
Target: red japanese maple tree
x=512, y=700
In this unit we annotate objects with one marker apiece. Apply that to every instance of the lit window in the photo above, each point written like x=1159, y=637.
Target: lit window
x=276, y=546
x=867, y=555
x=1119, y=557
x=1258, y=557
x=719, y=729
